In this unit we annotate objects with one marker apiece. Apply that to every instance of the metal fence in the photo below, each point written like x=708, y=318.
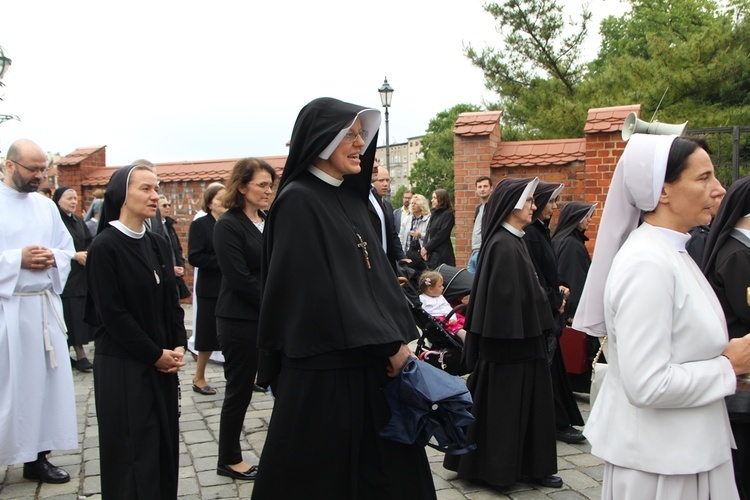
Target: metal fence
x=730, y=150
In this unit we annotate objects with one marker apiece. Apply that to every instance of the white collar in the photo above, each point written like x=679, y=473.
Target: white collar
x=741, y=235
x=127, y=231
x=676, y=238
x=512, y=230
x=324, y=176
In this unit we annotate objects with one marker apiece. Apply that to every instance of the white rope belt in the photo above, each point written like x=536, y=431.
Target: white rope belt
x=45, y=328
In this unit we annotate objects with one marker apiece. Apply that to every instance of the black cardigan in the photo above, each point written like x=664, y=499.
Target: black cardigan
x=238, y=245
x=201, y=254
x=438, y=239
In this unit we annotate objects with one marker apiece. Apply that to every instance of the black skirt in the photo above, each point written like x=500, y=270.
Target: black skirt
x=515, y=427
x=205, y=325
x=137, y=413
x=79, y=332
x=323, y=440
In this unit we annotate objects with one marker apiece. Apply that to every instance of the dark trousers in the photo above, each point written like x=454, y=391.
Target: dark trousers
x=238, y=339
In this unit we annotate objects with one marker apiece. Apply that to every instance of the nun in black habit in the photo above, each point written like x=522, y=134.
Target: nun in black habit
x=505, y=346
x=569, y=245
x=539, y=243
x=74, y=293
x=333, y=323
x=573, y=262
x=140, y=340
x=727, y=268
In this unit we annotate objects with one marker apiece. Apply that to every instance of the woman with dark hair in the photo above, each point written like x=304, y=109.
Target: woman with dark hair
x=201, y=254
x=438, y=247
x=660, y=422
x=539, y=244
x=74, y=294
x=727, y=268
x=506, y=352
x=238, y=237
x=140, y=342
x=334, y=325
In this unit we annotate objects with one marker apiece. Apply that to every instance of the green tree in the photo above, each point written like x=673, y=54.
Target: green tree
x=435, y=169
x=397, y=197
x=538, y=66
x=697, y=49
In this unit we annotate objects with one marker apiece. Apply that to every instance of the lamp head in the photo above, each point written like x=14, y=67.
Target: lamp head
x=4, y=63
x=386, y=94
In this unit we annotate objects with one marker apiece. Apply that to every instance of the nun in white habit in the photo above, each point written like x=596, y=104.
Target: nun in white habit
x=660, y=421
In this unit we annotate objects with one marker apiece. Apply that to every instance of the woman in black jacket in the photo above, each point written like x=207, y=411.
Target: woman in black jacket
x=438, y=247
x=238, y=238
x=201, y=254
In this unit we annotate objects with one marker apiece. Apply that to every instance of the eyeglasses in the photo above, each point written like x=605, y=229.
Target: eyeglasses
x=33, y=170
x=263, y=185
x=352, y=136
x=165, y=205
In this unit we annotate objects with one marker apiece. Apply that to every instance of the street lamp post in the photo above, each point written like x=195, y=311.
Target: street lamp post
x=386, y=94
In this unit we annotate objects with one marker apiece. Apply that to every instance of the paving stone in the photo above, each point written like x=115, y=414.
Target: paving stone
x=198, y=455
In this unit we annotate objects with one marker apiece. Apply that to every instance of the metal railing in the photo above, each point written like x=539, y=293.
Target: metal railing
x=730, y=150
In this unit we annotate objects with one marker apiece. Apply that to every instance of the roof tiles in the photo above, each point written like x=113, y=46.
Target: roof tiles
x=602, y=120
x=477, y=123
x=206, y=170
x=544, y=152
x=79, y=155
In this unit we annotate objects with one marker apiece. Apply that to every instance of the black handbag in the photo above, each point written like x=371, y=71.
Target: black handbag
x=414, y=250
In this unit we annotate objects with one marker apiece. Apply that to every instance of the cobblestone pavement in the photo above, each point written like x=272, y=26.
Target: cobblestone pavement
x=199, y=432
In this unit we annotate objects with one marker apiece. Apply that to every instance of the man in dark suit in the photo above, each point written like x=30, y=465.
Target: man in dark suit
x=381, y=214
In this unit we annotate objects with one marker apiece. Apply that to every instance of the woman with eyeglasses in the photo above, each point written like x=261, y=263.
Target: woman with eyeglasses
x=334, y=325
x=414, y=226
x=238, y=238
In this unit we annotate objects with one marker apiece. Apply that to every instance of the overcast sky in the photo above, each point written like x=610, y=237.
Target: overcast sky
x=188, y=80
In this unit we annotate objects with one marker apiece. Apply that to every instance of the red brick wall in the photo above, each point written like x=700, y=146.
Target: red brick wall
x=473, y=155
x=603, y=151
x=586, y=181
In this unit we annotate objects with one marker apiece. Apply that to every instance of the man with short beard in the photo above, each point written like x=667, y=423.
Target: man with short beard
x=38, y=412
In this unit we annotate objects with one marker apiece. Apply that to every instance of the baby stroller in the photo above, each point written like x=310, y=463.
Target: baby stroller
x=436, y=345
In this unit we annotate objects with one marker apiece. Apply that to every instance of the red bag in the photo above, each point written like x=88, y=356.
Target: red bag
x=573, y=345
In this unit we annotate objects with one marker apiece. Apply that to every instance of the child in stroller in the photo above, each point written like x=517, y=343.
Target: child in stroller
x=436, y=345
x=431, y=296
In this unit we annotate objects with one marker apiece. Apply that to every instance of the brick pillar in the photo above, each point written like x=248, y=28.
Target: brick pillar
x=74, y=168
x=476, y=136
x=604, y=146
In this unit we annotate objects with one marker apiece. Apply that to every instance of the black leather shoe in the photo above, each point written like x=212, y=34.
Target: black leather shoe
x=546, y=481
x=248, y=475
x=42, y=470
x=84, y=365
x=570, y=434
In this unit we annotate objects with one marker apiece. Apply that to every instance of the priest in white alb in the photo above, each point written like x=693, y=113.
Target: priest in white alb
x=37, y=400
